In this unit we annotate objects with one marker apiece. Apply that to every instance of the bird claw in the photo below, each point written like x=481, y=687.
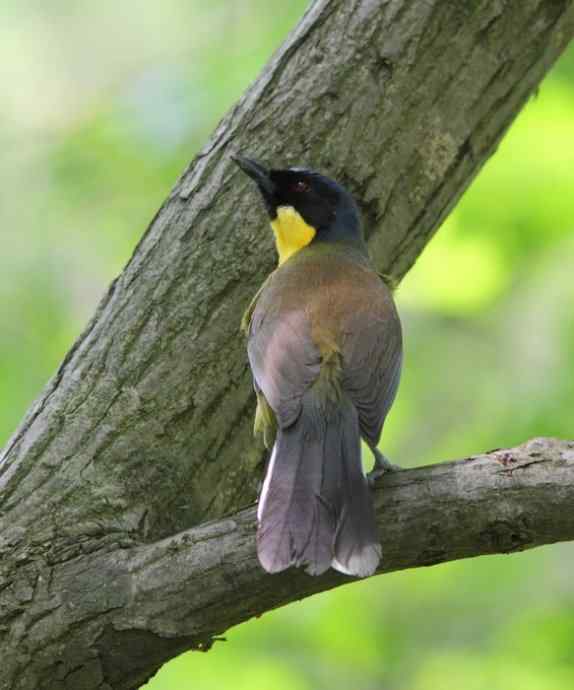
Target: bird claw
x=382, y=466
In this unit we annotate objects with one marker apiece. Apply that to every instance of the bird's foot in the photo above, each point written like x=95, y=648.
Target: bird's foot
x=382, y=466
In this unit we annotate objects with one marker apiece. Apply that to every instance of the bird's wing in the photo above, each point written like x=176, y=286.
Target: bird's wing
x=372, y=356
x=282, y=355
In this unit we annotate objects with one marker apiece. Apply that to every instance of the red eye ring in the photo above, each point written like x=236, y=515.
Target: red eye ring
x=301, y=186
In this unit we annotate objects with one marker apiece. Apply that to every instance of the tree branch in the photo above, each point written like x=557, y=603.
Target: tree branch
x=184, y=591
x=145, y=430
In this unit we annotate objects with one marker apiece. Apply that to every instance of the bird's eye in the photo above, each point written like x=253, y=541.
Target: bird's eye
x=300, y=187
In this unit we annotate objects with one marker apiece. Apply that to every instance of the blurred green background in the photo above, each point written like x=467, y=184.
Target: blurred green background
x=102, y=106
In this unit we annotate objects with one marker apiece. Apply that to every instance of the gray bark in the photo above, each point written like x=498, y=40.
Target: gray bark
x=145, y=430
x=111, y=617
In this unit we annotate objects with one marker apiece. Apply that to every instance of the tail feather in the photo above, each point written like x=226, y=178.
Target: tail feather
x=296, y=521
x=357, y=549
x=315, y=509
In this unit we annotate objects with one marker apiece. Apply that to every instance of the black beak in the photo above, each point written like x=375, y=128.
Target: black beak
x=256, y=172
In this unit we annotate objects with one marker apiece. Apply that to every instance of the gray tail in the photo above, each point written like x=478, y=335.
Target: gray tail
x=315, y=508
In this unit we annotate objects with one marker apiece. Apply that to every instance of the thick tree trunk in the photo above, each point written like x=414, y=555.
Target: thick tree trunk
x=145, y=430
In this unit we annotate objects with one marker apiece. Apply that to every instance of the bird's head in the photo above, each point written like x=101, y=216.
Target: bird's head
x=304, y=206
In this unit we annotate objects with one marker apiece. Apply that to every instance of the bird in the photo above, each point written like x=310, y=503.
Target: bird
x=324, y=344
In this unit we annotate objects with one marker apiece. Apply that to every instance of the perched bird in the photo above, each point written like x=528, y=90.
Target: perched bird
x=325, y=349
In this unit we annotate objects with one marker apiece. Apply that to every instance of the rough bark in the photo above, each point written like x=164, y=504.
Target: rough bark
x=145, y=430
x=152, y=601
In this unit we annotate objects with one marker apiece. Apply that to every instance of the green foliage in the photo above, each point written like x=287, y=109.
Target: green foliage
x=94, y=135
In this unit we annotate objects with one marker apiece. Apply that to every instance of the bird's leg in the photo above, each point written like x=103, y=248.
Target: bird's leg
x=381, y=466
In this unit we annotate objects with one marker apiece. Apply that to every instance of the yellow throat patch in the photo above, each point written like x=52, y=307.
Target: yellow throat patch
x=291, y=232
